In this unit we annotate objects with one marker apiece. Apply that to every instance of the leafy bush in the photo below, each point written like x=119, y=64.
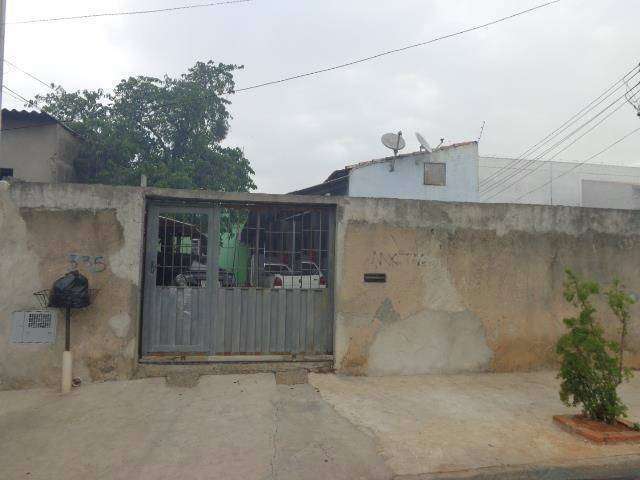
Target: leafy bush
x=591, y=367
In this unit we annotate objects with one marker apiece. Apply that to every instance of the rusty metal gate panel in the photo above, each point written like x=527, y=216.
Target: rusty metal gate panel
x=274, y=294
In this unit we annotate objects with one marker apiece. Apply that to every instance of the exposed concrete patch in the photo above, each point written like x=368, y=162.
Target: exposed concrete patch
x=120, y=325
x=430, y=342
x=356, y=358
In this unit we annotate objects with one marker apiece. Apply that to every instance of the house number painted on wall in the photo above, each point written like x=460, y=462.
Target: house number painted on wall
x=95, y=264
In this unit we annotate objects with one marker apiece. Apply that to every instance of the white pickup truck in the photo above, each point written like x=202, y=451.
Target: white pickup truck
x=279, y=275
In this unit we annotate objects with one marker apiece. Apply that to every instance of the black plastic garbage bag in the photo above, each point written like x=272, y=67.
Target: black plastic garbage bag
x=72, y=290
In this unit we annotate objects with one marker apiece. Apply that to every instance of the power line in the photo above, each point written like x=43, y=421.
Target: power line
x=548, y=150
x=15, y=97
x=134, y=12
x=582, y=163
x=395, y=50
x=559, y=152
x=566, y=124
x=15, y=94
x=491, y=180
x=48, y=85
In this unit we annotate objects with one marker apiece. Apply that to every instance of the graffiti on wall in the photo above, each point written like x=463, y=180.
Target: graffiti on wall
x=396, y=259
x=94, y=264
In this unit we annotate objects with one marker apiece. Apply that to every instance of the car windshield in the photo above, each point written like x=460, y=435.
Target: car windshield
x=276, y=268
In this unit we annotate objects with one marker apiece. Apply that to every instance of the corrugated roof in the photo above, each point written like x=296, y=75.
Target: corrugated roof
x=36, y=117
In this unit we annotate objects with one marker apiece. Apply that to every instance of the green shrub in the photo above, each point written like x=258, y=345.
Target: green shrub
x=591, y=366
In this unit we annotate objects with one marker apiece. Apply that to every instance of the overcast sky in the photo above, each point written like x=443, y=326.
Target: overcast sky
x=523, y=77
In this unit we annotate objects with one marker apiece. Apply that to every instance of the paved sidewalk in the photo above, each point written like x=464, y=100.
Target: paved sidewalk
x=227, y=427
x=485, y=426
x=435, y=426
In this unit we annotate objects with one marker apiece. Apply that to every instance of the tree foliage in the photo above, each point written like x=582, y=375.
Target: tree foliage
x=620, y=301
x=591, y=366
x=169, y=129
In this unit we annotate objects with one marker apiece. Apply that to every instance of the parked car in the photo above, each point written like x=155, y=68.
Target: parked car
x=279, y=275
x=196, y=276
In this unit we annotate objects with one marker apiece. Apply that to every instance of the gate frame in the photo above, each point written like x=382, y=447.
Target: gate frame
x=219, y=200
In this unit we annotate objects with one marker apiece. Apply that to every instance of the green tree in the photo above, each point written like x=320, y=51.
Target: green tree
x=169, y=129
x=590, y=367
x=620, y=301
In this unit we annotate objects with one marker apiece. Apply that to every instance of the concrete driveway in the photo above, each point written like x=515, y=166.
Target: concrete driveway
x=479, y=425
x=226, y=427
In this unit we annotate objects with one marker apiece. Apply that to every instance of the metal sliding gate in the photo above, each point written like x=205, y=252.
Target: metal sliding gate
x=238, y=280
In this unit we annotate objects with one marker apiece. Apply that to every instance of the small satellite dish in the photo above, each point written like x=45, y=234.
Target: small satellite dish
x=393, y=141
x=424, y=145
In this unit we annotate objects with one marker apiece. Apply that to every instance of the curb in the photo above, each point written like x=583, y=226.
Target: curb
x=623, y=467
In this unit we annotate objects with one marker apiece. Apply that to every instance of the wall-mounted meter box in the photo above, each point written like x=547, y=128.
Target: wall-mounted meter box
x=33, y=326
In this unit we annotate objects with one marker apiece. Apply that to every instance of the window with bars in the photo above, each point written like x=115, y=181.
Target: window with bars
x=275, y=247
x=258, y=247
x=435, y=174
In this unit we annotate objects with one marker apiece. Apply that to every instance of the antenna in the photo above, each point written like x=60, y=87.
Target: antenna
x=440, y=144
x=424, y=145
x=395, y=142
x=481, y=130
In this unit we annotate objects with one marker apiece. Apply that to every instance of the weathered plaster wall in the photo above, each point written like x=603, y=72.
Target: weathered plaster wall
x=470, y=287
x=43, y=154
x=44, y=229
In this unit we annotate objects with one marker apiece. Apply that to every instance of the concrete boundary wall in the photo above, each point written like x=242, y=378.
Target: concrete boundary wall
x=469, y=287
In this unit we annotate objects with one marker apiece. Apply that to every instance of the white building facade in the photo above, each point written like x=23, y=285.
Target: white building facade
x=506, y=180
x=449, y=173
x=456, y=173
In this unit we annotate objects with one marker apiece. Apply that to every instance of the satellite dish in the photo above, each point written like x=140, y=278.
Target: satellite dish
x=424, y=145
x=393, y=141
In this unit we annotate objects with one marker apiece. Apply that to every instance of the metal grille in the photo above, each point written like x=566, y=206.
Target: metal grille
x=39, y=320
x=435, y=174
x=182, y=250
x=274, y=247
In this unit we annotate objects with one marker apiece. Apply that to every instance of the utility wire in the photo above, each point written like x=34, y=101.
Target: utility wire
x=395, y=50
x=491, y=180
x=537, y=167
x=134, y=12
x=15, y=94
x=316, y=72
x=15, y=97
x=566, y=137
x=615, y=86
x=31, y=75
x=581, y=163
